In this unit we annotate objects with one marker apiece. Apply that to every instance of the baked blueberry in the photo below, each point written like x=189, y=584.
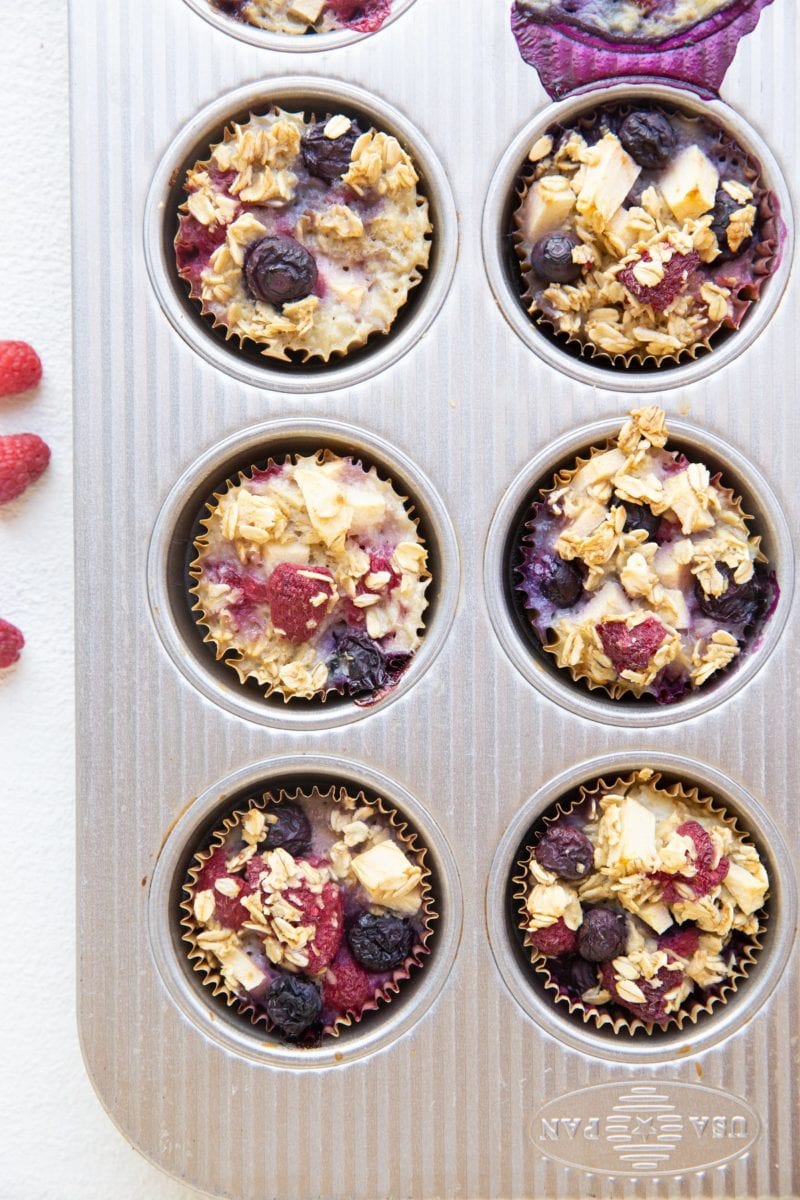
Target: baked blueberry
x=739, y=604
x=290, y=829
x=380, y=943
x=566, y=852
x=724, y=208
x=293, y=1004
x=279, y=270
x=603, y=935
x=641, y=516
x=649, y=139
x=551, y=258
x=328, y=157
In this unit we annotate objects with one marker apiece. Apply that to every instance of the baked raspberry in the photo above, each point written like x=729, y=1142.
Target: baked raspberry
x=631, y=649
x=653, y=1011
x=20, y=368
x=228, y=910
x=681, y=942
x=324, y=910
x=346, y=986
x=674, y=281
x=23, y=458
x=11, y=643
x=706, y=876
x=293, y=593
x=554, y=939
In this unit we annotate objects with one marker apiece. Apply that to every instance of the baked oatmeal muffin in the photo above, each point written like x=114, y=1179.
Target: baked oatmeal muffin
x=307, y=911
x=643, y=234
x=311, y=577
x=642, y=904
x=303, y=236
x=639, y=571
x=307, y=16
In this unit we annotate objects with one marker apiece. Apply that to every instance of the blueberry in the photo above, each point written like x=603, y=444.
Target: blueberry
x=359, y=665
x=293, y=1003
x=566, y=852
x=724, y=208
x=649, y=139
x=380, y=943
x=326, y=157
x=559, y=581
x=641, y=516
x=279, y=270
x=582, y=976
x=291, y=831
x=603, y=935
x=551, y=258
x=739, y=604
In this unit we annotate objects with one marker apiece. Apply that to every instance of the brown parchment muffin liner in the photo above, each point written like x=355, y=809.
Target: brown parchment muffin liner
x=561, y=479
x=208, y=967
x=229, y=654
x=273, y=349
x=619, y=1022
x=765, y=255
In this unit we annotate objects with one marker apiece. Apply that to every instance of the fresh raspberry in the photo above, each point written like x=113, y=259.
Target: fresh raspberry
x=20, y=368
x=681, y=942
x=23, y=458
x=228, y=910
x=631, y=649
x=290, y=590
x=11, y=643
x=676, y=275
x=325, y=910
x=555, y=939
x=346, y=987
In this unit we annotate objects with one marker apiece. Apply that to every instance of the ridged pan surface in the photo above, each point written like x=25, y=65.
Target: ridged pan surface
x=475, y=1097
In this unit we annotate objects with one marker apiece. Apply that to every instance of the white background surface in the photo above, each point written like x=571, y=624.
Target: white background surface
x=56, y=1143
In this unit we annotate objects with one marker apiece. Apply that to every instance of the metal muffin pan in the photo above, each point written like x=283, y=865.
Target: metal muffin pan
x=508, y=614
x=457, y=1090
x=501, y=262
x=247, y=364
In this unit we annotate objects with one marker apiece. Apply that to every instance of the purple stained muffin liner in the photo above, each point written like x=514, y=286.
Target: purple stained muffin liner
x=613, y=1017
x=567, y=55
x=204, y=963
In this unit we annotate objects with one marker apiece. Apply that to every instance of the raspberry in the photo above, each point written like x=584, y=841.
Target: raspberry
x=23, y=458
x=631, y=649
x=20, y=368
x=290, y=590
x=654, y=1009
x=11, y=643
x=249, y=584
x=705, y=878
x=326, y=911
x=676, y=274
x=228, y=910
x=346, y=987
x=366, y=16
x=555, y=939
x=680, y=942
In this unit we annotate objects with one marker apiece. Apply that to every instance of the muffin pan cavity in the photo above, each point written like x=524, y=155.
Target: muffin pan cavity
x=311, y=42
x=172, y=551
x=313, y=97
x=570, y=1024
x=510, y=281
x=505, y=601
x=213, y=1018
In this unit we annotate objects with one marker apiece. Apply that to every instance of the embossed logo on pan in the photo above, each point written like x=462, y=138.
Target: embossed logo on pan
x=645, y=1129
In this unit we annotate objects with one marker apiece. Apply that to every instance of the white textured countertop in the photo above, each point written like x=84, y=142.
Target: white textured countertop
x=56, y=1142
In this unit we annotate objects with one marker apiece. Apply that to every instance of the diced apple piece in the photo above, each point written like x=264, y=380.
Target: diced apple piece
x=606, y=181
x=547, y=206
x=307, y=10
x=689, y=185
x=747, y=890
x=600, y=467
x=633, y=847
x=657, y=916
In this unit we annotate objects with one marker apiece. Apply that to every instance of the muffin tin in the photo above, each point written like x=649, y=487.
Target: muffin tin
x=470, y=1084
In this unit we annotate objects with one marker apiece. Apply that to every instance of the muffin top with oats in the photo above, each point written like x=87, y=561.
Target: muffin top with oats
x=303, y=236
x=311, y=577
x=642, y=898
x=643, y=234
x=307, y=16
x=307, y=910
x=639, y=570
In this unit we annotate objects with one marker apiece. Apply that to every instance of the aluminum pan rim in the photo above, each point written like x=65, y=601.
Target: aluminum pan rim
x=167, y=285
x=559, y=686
x=256, y=439
x=284, y=42
x=175, y=972
x=726, y=1019
x=494, y=234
